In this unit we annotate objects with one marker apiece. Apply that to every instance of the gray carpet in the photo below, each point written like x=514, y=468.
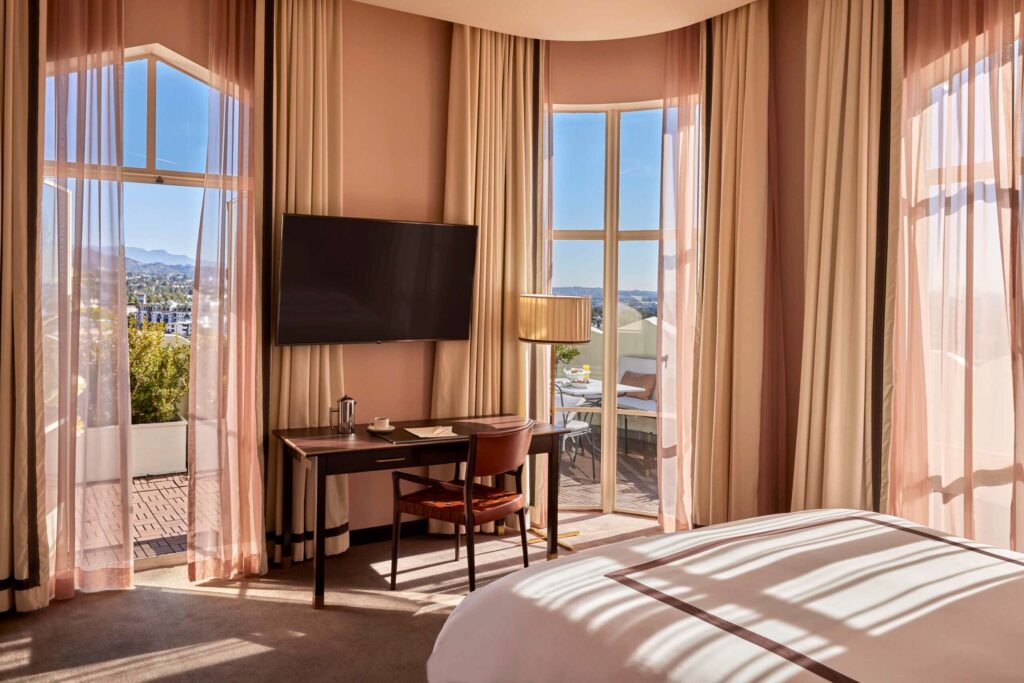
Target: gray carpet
x=265, y=629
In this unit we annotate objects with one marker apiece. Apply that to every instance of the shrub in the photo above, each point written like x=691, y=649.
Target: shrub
x=158, y=373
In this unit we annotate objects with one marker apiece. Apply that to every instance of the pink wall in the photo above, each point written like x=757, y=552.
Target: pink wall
x=396, y=118
x=181, y=25
x=608, y=71
x=789, y=45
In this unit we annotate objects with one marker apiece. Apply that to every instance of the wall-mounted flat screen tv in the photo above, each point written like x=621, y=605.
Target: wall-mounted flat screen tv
x=357, y=280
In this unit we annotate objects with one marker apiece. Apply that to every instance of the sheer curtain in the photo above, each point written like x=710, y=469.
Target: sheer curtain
x=85, y=374
x=682, y=212
x=225, y=524
x=956, y=459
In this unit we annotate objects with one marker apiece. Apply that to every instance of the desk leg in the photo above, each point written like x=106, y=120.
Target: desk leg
x=319, y=542
x=554, y=456
x=288, y=463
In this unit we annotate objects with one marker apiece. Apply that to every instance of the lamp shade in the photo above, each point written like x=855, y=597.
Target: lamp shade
x=546, y=319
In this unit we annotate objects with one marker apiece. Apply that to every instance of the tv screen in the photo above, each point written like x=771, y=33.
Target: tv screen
x=352, y=280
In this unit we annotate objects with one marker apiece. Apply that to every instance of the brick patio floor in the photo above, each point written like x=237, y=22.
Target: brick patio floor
x=160, y=514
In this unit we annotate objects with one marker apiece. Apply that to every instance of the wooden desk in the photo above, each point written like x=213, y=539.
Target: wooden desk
x=329, y=453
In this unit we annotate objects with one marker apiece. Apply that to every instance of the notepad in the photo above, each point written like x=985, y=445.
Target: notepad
x=432, y=432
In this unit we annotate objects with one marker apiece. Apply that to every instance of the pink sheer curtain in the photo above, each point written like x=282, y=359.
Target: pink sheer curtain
x=956, y=460
x=225, y=536
x=682, y=217
x=85, y=348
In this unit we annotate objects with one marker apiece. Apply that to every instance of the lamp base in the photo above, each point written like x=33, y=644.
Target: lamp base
x=542, y=536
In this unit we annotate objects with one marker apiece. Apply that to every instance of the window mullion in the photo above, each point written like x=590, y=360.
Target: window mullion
x=151, y=114
x=609, y=433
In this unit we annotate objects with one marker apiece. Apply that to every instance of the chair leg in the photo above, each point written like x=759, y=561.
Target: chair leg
x=625, y=419
x=458, y=534
x=396, y=532
x=522, y=536
x=593, y=458
x=471, y=556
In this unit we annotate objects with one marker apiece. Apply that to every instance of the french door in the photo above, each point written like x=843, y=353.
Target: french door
x=606, y=218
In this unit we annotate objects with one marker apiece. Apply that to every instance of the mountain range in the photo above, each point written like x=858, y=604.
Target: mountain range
x=146, y=256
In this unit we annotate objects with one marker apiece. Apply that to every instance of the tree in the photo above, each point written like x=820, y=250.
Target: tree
x=158, y=373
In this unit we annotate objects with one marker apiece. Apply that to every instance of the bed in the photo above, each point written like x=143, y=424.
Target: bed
x=839, y=595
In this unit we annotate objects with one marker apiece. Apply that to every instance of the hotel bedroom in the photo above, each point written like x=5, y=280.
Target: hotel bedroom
x=574, y=340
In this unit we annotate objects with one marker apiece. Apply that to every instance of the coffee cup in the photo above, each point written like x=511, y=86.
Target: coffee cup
x=381, y=423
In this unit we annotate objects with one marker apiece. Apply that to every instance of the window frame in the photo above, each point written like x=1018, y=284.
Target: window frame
x=610, y=237
x=152, y=53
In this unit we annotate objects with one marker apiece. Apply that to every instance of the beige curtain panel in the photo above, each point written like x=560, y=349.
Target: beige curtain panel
x=225, y=490
x=957, y=454
x=24, y=555
x=539, y=355
x=844, y=94
x=307, y=133
x=736, y=431
x=489, y=182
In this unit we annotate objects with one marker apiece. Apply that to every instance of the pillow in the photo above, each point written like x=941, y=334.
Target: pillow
x=637, y=379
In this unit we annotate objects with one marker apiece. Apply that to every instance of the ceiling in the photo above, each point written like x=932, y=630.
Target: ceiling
x=568, y=19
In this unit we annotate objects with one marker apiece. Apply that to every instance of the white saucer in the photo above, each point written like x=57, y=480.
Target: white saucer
x=370, y=428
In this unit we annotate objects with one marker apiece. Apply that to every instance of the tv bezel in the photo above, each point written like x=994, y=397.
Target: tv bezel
x=280, y=263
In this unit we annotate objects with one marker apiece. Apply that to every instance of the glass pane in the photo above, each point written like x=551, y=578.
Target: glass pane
x=640, y=169
x=182, y=114
x=161, y=225
x=578, y=182
x=135, y=113
x=578, y=269
x=636, y=484
x=50, y=119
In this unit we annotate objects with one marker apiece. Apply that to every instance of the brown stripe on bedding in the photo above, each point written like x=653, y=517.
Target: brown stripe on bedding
x=814, y=666
x=622, y=576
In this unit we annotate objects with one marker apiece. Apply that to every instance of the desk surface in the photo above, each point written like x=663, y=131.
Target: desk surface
x=313, y=441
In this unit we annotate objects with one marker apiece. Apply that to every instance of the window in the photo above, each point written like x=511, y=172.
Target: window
x=953, y=408
x=165, y=121
x=606, y=208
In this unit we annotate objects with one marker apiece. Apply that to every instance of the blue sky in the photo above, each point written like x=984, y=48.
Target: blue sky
x=165, y=216
x=155, y=216
x=579, y=150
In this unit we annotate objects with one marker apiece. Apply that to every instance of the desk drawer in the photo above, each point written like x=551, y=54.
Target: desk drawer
x=395, y=458
x=393, y=461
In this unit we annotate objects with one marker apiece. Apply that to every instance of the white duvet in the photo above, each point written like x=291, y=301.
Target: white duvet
x=825, y=595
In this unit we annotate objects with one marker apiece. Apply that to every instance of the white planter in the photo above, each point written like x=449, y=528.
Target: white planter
x=158, y=448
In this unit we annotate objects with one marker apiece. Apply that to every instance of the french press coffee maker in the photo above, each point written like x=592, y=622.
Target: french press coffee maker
x=346, y=412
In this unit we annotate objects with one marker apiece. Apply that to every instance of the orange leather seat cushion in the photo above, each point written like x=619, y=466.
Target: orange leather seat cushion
x=435, y=502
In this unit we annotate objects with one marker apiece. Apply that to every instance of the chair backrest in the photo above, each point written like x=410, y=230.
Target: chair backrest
x=500, y=451
x=562, y=418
